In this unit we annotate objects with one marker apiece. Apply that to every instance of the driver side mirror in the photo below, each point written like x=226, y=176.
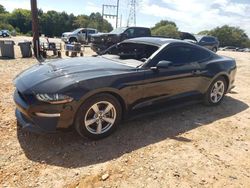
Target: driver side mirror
x=162, y=65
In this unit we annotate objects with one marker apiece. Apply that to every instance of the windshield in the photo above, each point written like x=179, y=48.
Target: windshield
x=131, y=51
x=118, y=30
x=77, y=30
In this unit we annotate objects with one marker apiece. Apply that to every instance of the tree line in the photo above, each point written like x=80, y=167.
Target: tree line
x=227, y=35
x=51, y=23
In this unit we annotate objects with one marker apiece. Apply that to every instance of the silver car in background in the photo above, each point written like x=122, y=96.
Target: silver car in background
x=81, y=35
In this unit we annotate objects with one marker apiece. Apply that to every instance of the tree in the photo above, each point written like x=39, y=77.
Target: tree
x=163, y=23
x=81, y=21
x=2, y=9
x=21, y=19
x=205, y=32
x=51, y=23
x=166, y=28
x=230, y=36
x=95, y=20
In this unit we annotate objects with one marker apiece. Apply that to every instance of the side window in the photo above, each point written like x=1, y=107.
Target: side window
x=130, y=32
x=91, y=31
x=208, y=39
x=180, y=55
x=82, y=32
x=140, y=32
x=199, y=55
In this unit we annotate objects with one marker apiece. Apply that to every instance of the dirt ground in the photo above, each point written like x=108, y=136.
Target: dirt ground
x=192, y=146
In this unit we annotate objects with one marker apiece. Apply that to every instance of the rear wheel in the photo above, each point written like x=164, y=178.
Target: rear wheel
x=98, y=117
x=216, y=92
x=71, y=40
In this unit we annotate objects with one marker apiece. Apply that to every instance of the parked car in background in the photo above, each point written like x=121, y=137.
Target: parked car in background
x=100, y=42
x=81, y=35
x=210, y=42
x=243, y=50
x=93, y=94
x=246, y=50
x=229, y=48
x=4, y=33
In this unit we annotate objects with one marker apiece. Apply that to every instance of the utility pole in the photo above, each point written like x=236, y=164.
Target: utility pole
x=35, y=30
x=111, y=15
x=132, y=13
x=117, y=13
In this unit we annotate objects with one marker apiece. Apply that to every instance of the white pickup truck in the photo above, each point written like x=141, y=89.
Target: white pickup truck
x=81, y=35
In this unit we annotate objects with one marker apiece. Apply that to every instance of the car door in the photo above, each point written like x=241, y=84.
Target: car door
x=181, y=78
x=130, y=33
x=81, y=35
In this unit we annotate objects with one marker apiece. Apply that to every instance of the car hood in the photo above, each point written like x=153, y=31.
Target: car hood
x=56, y=75
x=67, y=33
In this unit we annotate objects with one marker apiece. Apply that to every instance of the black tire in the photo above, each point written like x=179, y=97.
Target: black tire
x=55, y=52
x=73, y=54
x=81, y=54
x=44, y=54
x=67, y=53
x=59, y=54
x=214, y=49
x=209, y=100
x=71, y=40
x=86, y=108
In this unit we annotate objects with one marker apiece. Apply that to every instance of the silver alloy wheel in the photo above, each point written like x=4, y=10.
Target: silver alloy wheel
x=100, y=117
x=217, y=91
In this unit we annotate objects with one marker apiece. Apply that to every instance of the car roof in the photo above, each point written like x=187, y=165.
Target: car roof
x=156, y=41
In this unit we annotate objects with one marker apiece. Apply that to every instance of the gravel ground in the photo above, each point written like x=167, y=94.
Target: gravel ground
x=192, y=146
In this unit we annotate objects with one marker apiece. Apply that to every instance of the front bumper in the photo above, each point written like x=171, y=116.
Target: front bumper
x=98, y=48
x=30, y=126
x=42, y=118
x=65, y=39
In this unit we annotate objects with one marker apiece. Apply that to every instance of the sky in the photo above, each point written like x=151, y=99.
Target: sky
x=189, y=15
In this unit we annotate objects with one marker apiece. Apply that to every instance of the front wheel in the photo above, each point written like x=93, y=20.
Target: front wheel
x=98, y=117
x=215, y=92
x=72, y=40
x=214, y=49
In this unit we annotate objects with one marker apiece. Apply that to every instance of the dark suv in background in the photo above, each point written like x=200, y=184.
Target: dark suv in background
x=102, y=41
x=206, y=41
x=209, y=42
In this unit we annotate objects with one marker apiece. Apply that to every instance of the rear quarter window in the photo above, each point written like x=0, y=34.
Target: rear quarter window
x=199, y=55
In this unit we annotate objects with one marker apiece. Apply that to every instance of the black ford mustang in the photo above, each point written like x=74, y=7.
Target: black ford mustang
x=93, y=93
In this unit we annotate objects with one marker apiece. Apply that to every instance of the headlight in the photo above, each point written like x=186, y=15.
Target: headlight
x=54, y=98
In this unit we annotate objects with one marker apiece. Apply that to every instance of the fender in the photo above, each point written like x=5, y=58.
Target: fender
x=224, y=74
x=111, y=91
